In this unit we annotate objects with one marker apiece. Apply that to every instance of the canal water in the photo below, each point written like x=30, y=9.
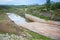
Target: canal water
x=17, y=19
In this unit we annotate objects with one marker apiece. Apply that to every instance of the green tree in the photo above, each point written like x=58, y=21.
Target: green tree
x=57, y=5
x=54, y=10
x=48, y=3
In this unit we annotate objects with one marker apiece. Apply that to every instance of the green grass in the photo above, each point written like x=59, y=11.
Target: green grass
x=40, y=16
x=36, y=36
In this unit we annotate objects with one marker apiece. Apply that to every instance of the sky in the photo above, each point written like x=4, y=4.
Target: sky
x=23, y=2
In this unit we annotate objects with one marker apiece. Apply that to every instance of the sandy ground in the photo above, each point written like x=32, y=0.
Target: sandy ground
x=44, y=29
x=47, y=28
x=36, y=19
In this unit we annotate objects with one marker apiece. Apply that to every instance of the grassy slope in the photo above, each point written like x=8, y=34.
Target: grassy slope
x=36, y=36
x=6, y=25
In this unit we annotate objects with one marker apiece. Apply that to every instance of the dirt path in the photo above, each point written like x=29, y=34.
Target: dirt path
x=36, y=19
x=44, y=29
x=47, y=28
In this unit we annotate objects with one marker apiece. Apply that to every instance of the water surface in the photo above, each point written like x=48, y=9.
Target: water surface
x=16, y=18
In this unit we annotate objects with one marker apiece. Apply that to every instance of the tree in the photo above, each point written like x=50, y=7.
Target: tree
x=48, y=5
x=57, y=5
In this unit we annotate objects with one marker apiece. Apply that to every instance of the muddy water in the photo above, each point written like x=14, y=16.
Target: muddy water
x=16, y=18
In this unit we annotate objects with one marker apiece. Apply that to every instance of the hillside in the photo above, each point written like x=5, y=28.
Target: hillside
x=8, y=26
